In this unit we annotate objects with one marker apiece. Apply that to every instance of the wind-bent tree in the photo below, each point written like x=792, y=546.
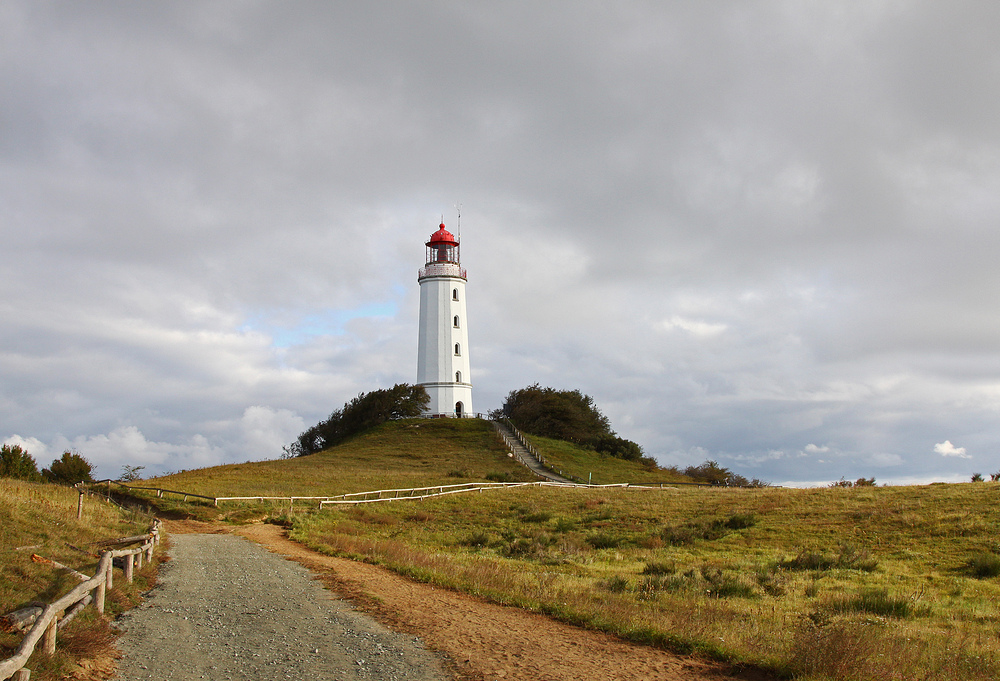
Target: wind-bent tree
x=365, y=411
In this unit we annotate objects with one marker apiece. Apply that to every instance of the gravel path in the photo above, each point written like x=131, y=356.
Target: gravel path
x=228, y=609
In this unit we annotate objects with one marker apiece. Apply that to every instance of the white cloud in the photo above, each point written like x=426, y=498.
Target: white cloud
x=264, y=431
x=947, y=449
x=693, y=326
x=816, y=449
x=259, y=433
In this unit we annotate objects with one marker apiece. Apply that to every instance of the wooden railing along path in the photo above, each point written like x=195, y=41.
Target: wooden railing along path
x=45, y=621
x=519, y=446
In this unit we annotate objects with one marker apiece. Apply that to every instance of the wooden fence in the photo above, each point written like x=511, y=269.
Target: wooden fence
x=420, y=493
x=45, y=621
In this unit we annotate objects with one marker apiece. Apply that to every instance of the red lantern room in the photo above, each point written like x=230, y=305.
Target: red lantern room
x=443, y=247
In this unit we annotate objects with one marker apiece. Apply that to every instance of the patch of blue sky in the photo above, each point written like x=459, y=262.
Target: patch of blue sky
x=287, y=330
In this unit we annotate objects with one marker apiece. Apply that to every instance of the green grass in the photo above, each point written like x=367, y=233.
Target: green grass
x=588, y=465
x=38, y=518
x=406, y=453
x=868, y=575
x=835, y=583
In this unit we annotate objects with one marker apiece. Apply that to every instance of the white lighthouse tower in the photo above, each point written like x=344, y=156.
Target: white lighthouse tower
x=443, y=343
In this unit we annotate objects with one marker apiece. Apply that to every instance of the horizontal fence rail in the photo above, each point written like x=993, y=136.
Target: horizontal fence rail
x=420, y=493
x=45, y=620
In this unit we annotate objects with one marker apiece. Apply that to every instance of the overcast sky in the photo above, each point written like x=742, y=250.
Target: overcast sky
x=765, y=233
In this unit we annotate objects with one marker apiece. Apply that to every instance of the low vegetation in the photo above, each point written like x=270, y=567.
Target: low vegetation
x=851, y=582
x=584, y=464
x=571, y=416
x=364, y=412
x=397, y=454
x=40, y=519
x=835, y=583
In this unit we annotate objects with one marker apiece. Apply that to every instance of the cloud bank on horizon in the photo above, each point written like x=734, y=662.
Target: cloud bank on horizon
x=762, y=233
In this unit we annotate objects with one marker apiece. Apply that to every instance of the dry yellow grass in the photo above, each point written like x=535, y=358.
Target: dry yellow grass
x=862, y=583
x=37, y=518
x=830, y=583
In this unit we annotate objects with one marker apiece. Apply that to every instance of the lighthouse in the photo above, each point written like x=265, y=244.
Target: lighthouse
x=443, y=341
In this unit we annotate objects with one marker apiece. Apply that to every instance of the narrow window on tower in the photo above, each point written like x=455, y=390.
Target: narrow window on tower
x=458, y=349
x=456, y=321
x=458, y=377
x=454, y=294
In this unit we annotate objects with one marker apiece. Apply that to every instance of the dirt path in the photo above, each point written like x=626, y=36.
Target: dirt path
x=486, y=641
x=227, y=609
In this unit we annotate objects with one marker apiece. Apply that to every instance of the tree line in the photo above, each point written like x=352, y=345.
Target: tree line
x=70, y=469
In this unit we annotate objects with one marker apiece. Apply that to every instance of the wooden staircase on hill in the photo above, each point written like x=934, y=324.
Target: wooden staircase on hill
x=524, y=452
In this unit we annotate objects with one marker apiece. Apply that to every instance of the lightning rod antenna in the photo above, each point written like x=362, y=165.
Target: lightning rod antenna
x=458, y=208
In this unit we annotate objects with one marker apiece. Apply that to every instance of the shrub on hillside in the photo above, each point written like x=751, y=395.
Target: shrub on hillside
x=17, y=463
x=561, y=414
x=712, y=473
x=875, y=601
x=365, y=411
x=69, y=470
x=849, y=558
x=860, y=482
x=571, y=416
x=984, y=565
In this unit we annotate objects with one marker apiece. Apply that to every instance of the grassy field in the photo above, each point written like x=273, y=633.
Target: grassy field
x=40, y=519
x=876, y=583
x=835, y=583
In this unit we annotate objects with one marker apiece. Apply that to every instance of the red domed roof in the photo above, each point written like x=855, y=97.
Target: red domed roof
x=442, y=237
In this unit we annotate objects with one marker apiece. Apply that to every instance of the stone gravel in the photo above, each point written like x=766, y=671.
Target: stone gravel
x=226, y=608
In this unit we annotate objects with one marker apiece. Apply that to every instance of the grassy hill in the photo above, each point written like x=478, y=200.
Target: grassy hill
x=397, y=454
x=586, y=464
x=38, y=518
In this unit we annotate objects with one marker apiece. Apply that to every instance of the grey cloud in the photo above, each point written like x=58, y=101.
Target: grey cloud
x=743, y=229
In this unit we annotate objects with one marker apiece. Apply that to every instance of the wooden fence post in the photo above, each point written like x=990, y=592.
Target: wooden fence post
x=138, y=561
x=21, y=675
x=79, y=507
x=49, y=641
x=99, y=596
x=129, y=563
x=109, y=581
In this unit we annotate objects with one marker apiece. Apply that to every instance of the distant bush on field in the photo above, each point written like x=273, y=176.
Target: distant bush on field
x=69, y=470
